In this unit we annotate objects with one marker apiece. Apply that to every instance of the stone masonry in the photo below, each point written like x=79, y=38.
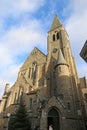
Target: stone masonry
x=49, y=85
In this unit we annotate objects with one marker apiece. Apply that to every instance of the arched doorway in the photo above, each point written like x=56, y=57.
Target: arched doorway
x=53, y=119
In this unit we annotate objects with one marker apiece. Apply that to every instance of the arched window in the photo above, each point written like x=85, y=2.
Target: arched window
x=15, y=98
x=57, y=35
x=53, y=37
x=68, y=104
x=30, y=103
x=32, y=73
x=29, y=75
x=85, y=96
x=60, y=69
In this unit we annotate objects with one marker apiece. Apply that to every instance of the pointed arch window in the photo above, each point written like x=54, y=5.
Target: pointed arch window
x=29, y=75
x=57, y=35
x=30, y=103
x=53, y=37
x=68, y=104
x=34, y=71
x=15, y=98
x=85, y=96
x=60, y=69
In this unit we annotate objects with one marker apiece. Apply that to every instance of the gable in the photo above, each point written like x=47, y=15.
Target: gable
x=35, y=56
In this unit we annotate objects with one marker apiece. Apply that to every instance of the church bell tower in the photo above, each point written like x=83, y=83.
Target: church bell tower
x=63, y=75
x=58, y=39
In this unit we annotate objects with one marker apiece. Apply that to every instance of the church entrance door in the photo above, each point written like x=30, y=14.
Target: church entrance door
x=53, y=119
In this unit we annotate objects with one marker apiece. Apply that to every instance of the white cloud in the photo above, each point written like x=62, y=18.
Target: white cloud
x=77, y=29
x=23, y=38
x=16, y=7
x=76, y=25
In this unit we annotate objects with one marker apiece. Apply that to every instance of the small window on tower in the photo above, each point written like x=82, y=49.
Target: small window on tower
x=60, y=69
x=53, y=37
x=61, y=96
x=85, y=96
x=54, y=50
x=57, y=35
x=68, y=104
x=30, y=103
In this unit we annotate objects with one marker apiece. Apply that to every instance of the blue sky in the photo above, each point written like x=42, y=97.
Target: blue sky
x=24, y=25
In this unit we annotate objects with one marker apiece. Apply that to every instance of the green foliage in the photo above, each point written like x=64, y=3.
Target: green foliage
x=11, y=123
x=20, y=121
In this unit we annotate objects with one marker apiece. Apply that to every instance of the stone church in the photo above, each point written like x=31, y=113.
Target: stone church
x=49, y=85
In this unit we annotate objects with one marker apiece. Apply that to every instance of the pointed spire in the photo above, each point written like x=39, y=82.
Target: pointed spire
x=61, y=60
x=56, y=23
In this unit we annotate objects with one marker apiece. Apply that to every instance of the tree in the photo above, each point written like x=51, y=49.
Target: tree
x=20, y=120
x=11, y=122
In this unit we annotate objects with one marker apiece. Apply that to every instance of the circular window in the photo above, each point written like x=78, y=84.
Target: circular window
x=54, y=50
